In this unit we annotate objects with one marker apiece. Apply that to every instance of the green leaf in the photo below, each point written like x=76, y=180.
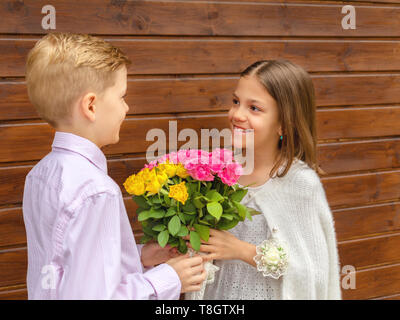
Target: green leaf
x=195, y=240
x=141, y=202
x=230, y=210
x=190, y=213
x=226, y=224
x=241, y=209
x=170, y=212
x=215, y=209
x=249, y=215
x=203, y=231
x=197, y=200
x=238, y=195
x=214, y=196
x=227, y=216
x=146, y=238
x=157, y=213
x=162, y=238
x=167, y=200
x=156, y=200
x=253, y=212
x=159, y=227
x=189, y=207
x=147, y=229
x=144, y=215
x=164, y=192
x=174, y=225
x=182, y=217
x=182, y=247
x=173, y=242
x=205, y=222
x=183, y=232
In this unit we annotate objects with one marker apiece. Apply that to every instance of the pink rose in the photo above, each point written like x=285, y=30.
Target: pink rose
x=231, y=173
x=199, y=171
x=216, y=164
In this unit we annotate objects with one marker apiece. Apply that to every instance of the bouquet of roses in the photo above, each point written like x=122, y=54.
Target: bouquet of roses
x=187, y=193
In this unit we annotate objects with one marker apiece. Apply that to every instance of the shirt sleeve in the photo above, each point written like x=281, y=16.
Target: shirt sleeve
x=92, y=253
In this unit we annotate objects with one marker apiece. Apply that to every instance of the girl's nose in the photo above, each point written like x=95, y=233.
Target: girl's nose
x=239, y=114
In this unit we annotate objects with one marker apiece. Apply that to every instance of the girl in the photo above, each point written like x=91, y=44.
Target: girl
x=299, y=258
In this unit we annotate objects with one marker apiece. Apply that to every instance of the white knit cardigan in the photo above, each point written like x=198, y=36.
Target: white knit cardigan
x=296, y=206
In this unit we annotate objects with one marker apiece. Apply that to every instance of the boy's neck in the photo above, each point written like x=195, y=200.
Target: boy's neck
x=77, y=131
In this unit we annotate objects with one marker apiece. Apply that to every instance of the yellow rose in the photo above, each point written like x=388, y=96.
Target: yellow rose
x=162, y=177
x=181, y=171
x=179, y=192
x=168, y=168
x=145, y=175
x=134, y=185
x=153, y=186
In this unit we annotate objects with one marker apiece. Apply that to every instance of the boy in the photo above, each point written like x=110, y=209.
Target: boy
x=80, y=243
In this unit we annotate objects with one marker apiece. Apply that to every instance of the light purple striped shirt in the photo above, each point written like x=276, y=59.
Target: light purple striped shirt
x=80, y=241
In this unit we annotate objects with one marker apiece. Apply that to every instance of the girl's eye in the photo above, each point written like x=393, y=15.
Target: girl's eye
x=235, y=101
x=254, y=108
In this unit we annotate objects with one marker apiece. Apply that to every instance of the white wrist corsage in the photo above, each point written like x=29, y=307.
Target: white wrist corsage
x=271, y=258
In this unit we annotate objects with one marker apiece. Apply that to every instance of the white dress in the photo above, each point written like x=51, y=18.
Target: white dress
x=237, y=280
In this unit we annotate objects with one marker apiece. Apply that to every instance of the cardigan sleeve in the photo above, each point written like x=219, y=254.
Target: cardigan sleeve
x=315, y=263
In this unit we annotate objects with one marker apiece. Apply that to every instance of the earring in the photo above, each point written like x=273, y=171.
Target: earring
x=281, y=138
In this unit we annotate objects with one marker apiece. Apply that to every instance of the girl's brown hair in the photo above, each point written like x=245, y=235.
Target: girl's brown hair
x=292, y=88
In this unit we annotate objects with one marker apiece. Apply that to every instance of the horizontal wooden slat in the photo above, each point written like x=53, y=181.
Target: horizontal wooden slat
x=358, y=222
x=358, y=122
x=165, y=95
x=12, y=229
x=375, y=282
x=359, y=189
x=199, y=18
x=359, y=155
x=13, y=267
x=227, y=55
x=32, y=141
x=370, y=251
x=14, y=294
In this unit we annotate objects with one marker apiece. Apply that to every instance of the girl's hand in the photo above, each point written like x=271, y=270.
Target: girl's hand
x=153, y=254
x=222, y=245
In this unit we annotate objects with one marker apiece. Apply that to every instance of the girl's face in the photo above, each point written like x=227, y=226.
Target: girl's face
x=254, y=110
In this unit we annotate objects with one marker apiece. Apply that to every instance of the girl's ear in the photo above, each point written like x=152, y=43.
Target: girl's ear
x=88, y=107
x=280, y=132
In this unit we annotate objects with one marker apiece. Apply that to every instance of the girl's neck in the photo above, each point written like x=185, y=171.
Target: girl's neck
x=264, y=161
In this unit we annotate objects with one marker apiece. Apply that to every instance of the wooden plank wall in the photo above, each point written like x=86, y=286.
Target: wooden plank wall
x=186, y=59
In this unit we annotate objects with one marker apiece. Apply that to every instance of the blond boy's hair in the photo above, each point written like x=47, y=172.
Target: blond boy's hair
x=63, y=66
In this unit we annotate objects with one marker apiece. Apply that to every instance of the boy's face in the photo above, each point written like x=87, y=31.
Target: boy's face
x=111, y=110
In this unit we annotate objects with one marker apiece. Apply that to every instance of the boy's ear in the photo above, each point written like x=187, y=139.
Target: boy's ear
x=88, y=107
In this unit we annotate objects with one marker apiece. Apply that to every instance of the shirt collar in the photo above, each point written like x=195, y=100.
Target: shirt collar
x=83, y=146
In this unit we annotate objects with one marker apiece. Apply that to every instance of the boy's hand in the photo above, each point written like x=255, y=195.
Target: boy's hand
x=153, y=254
x=190, y=271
